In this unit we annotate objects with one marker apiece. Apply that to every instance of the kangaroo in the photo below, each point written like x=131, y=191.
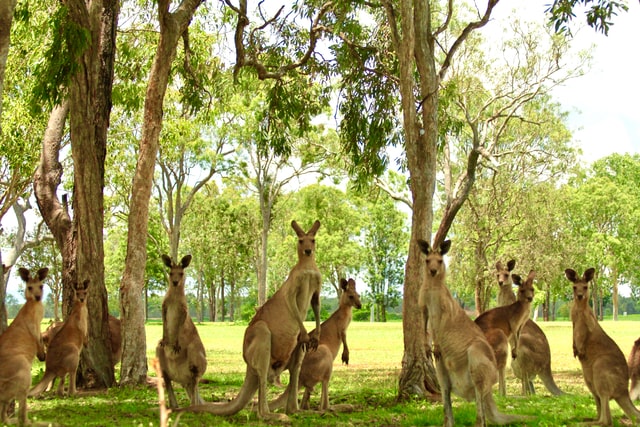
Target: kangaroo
x=19, y=344
x=317, y=366
x=465, y=363
x=634, y=370
x=604, y=367
x=181, y=353
x=534, y=353
x=505, y=295
x=509, y=319
x=63, y=353
x=276, y=338
x=114, y=329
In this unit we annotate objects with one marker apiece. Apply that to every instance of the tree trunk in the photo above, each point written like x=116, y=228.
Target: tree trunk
x=614, y=293
x=134, y=350
x=6, y=18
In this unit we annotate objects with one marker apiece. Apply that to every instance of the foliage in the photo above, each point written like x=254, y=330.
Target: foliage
x=599, y=13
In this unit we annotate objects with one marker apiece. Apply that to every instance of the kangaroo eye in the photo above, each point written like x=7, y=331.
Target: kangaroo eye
x=300, y=241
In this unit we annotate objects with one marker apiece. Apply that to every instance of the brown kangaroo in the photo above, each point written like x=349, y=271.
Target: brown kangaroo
x=181, y=353
x=19, y=344
x=507, y=322
x=114, y=329
x=634, y=370
x=465, y=363
x=317, y=366
x=604, y=367
x=276, y=338
x=534, y=353
x=505, y=295
x=63, y=353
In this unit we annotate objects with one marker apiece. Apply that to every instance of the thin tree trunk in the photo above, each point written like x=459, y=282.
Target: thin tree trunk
x=172, y=26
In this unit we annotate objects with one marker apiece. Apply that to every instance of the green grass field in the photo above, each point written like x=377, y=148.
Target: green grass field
x=369, y=383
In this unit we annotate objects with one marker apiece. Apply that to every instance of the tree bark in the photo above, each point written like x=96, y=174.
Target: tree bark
x=172, y=27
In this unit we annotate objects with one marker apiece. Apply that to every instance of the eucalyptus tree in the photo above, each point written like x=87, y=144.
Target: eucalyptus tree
x=220, y=232
x=602, y=210
x=173, y=24
x=22, y=126
x=385, y=247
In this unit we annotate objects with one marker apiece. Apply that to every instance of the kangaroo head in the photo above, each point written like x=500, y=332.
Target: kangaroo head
x=81, y=291
x=504, y=272
x=176, y=271
x=435, y=262
x=525, y=289
x=350, y=297
x=580, y=284
x=33, y=285
x=306, y=241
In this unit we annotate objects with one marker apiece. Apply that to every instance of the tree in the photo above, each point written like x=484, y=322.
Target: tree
x=385, y=243
x=173, y=27
x=6, y=18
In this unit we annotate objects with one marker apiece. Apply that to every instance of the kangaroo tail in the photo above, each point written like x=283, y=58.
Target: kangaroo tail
x=628, y=407
x=43, y=384
x=235, y=405
x=496, y=417
x=549, y=383
x=280, y=401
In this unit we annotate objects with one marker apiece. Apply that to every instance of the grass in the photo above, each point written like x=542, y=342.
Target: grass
x=369, y=382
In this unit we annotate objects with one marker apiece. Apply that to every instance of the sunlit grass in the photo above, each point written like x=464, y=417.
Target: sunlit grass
x=369, y=382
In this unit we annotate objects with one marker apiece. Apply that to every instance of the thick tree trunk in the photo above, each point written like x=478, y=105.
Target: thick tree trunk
x=418, y=374
x=134, y=350
x=90, y=107
x=6, y=18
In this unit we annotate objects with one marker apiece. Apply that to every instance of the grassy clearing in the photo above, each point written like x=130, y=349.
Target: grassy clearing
x=369, y=383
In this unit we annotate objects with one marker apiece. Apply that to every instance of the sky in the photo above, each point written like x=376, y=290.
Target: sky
x=603, y=105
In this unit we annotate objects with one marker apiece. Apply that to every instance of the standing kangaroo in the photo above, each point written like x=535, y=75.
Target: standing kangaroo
x=317, y=366
x=181, y=353
x=63, y=352
x=534, y=352
x=604, y=367
x=276, y=338
x=465, y=363
x=19, y=344
x=506, y=322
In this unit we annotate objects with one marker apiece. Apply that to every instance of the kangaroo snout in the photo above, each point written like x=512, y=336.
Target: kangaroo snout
x=307, y=252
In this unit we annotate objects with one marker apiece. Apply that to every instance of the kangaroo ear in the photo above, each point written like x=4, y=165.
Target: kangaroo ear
x=516, y=279
x=42, y=273
x=498, y=266
x=445, y=246
x=531, y=276
x=571, y=275
x=24, y=274
x=186, y=260
x=352, y=284
x=86, y=283
x=167, y=260
x=314, y=228
x=343, y=284
x=299, y=231
x=511, y=264
x=424, y=246
x=6, y=268
x=588, y=275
